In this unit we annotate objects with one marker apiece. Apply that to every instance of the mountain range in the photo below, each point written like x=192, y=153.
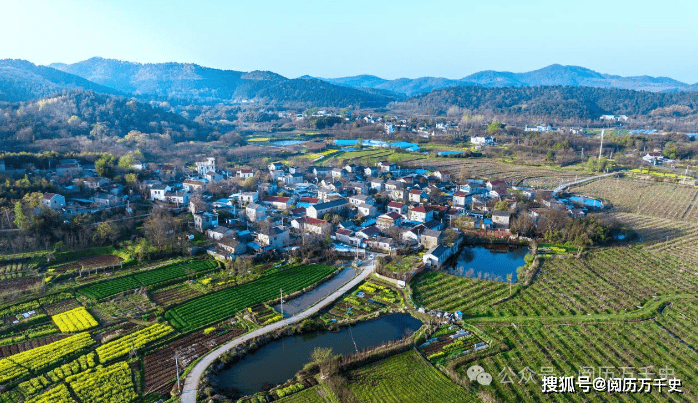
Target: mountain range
x=190, y=83
x=553, y=75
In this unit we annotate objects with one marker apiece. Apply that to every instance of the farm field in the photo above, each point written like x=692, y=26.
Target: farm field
x=222, y=304
x=123, y=345
x=367, y=299
x=675, y=238
x=159, y=366
x=405, y=377
x=75, y=320
x=604, y=281
x=639, y=348
x=170, y=272
x=34, y=360
x=656, y=199
x=680, y=318
x=310, y=395
x=491, y=169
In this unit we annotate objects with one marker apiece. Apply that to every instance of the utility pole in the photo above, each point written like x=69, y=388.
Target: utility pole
x=176, y=358
x=601, y=145
x=282, y=301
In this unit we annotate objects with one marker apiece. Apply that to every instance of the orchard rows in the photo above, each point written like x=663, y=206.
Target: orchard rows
x=566, y=349
x=663, y=200
x=605, y=281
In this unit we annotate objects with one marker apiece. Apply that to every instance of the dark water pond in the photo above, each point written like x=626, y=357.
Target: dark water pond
x=491, y=262
x=279, y=360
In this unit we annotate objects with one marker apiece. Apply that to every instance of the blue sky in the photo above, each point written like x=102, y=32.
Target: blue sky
x=390, y=39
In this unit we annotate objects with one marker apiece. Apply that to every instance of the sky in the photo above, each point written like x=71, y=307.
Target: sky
x=390, y=39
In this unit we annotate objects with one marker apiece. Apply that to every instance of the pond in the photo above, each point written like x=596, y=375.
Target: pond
x=286, y=142
x=491, y=262
x=587, y=201
x=308, y=299
x=278, y=361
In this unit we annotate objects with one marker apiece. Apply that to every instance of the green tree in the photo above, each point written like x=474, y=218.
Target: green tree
x=494, y=127
x=502, y=205
x=126, y=161
x=105, y=165
x=21, y=220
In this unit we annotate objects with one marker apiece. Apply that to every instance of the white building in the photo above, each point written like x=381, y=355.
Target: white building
x=203, y=167
x=53, y=201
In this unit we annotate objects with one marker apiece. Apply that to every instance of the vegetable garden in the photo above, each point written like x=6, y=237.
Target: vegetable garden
x=147, y=278
x=222, y=304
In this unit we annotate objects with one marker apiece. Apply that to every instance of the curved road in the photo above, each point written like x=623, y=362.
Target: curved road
x=577, y=182
x=191, y=384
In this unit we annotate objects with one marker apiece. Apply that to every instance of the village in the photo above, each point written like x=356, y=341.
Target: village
x=386, y=209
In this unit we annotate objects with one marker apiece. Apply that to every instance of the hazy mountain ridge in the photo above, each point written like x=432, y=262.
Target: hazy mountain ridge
x=202, y=84
x=21, y=80
x=553, y=75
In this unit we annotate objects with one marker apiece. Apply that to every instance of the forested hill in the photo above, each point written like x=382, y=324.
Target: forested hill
x=78, y=113
x=21, y=80
x=553, y=101
x=198, y=84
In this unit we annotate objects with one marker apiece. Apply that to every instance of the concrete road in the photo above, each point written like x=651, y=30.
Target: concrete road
x=191, y=383
x=580, y=181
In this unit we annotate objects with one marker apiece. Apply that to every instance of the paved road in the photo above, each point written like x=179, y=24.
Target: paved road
x=191, y=383
x=577, y=182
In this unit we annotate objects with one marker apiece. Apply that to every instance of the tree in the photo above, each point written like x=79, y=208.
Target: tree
x=450, y=237
x=323, y=357
x=98, y=131
x=126, y=161
x=21, y=220
x=502, y=205
x=105, y=233
x=494, y=127
x=33, y=199
x=105, y=165
x=160, y=229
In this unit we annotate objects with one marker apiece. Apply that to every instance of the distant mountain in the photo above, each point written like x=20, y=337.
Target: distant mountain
x=559, y=102
x=194, y=83
x=552, y=75
x=21, y=80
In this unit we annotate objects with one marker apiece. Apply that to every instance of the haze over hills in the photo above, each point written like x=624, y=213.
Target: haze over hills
x=21, y=80
x=553, y=75
x=194, y=83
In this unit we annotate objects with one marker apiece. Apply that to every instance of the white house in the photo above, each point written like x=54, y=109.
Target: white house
x=249, y=197
x=157, y=192
x=244, y=173
x=203, y=167
x=482, y=141
x=367, y=210
x=53, y=201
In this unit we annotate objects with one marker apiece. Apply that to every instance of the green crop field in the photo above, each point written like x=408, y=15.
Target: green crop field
x=219, y=305
x=642, y=349
x=406, y=377
x=170, y=272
